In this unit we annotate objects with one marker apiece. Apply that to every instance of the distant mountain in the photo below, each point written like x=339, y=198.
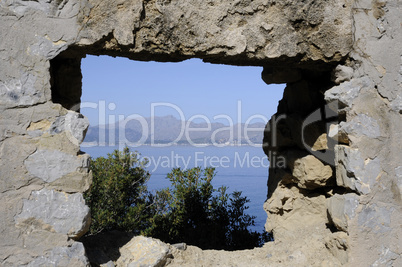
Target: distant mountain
x=168, y=129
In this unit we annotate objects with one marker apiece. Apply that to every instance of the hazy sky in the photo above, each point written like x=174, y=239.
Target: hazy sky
x=125, y=87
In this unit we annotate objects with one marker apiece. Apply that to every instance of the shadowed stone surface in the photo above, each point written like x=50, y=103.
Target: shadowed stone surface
x=355, y=172
x=50, y=165
x=73, y=255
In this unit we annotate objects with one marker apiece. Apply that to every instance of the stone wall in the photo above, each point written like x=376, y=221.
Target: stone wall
x=339, y=195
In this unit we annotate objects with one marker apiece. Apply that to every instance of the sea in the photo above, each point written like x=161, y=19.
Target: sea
x=240, y=168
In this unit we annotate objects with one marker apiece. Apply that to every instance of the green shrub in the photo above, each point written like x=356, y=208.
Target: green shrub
x=190, y=211
x=118, y=197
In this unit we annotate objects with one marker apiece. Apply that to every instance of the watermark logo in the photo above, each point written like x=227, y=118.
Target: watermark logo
x=202, y=159
x=200, y=131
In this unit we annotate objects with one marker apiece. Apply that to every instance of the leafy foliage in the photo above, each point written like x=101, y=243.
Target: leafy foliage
x=195, y=213
x=118, y=197
x=191, y=211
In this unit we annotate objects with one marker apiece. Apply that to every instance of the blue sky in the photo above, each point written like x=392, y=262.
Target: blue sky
x=126, y=87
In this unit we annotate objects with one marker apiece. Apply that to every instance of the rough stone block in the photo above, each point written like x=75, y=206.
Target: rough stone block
x=336, y=133
x=342, y=74
x=64, y=213
x=321, y=143
x=74, y=124
x=50, y=165
x=361, y=125
x=283, y=201
x=291, y=210
x=375, y=218
x=341, y=209
x=354, y=172
x=73, y=255
x=143, y=251
x=347, y=92
x=12, y=162
x=388, y=258
x=311, y=173
x=19, y=92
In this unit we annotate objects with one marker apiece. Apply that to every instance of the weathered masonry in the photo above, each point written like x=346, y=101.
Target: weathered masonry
x=338, y=201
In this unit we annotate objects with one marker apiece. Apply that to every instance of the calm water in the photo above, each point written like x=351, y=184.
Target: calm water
x=241, y=168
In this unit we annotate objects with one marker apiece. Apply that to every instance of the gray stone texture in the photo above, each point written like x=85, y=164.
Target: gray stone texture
x=50, y=165
x=347, y=92
x=311, y=173
x=344, y=52
x=388, y=258
x=73, y=255
x=64, y=213
x=376, y=219
x=225, y=31
x=341, y=209
x=355, y=172
x=377, y=52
